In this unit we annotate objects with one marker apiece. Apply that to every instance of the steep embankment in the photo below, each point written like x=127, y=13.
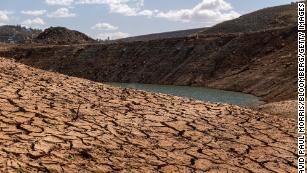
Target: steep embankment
x=261, y=63
x=55, y=123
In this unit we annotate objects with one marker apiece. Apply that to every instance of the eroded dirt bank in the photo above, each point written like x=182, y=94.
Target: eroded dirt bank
x=260, y=63
x=118, y=130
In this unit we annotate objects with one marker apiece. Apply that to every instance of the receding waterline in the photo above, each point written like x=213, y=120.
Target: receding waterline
x=198, y=93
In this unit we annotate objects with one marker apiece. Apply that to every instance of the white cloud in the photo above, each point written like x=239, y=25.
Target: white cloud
x=122, y=9
x=104, y=26
x=125, y=7
x=33, y=22
x=147, y=13
x=91, y=2
x=61, y=13
x=139, y=3
x=4, y=16
x=112, y=36
x=208, y=12
x=59, y=2
x=34, y=12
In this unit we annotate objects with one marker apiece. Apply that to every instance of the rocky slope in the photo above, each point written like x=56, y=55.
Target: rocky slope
x=55, y=123
x=61, y=35
x=264, y=19
x=261, y=63
x=255, y=54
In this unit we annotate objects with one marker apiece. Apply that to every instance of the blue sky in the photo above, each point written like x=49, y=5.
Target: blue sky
x=122, y=18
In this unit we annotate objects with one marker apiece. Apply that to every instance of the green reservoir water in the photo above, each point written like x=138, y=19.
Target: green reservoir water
x=198, y=93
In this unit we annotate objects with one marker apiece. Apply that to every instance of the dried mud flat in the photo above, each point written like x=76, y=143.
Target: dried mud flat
x=118, y=130
x=287, y=108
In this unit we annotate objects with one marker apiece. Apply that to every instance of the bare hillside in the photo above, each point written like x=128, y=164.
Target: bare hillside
x=55, y=123
x=61, y=35
x=9, y=33
x=256, y=55
x=268, y=18
x=260, y=63
x=159, y=36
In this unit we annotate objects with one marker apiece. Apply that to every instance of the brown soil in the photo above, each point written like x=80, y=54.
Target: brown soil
x=264, y=19
x=61, y=35
x=54, y=123
x=255, y=53
x=261, y=63
x=285, y=108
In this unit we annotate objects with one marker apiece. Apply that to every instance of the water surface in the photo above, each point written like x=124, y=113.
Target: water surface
x=198, y=93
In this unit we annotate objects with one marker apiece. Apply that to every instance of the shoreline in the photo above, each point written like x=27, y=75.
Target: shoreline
x=58, y=123
x=249, y=68
x=286, y=108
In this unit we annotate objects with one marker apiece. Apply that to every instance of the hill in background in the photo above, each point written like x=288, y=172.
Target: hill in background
x=62, y=35
x=56, y=123
x=243, y=55
x=157, y=36
x=267, y=18
x=264, y=19
x=11, y=33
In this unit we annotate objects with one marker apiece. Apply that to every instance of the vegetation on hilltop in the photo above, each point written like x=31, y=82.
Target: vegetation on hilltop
x=62, y=35
x=17, y=33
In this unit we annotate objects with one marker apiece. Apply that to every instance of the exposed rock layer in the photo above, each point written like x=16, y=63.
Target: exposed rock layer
x=261, y=63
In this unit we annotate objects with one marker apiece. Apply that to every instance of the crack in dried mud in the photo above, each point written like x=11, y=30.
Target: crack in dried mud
x=54, y=123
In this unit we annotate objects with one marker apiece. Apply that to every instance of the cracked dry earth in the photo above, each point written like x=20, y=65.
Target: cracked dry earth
x=121, y=130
